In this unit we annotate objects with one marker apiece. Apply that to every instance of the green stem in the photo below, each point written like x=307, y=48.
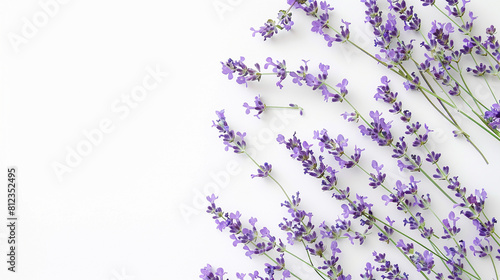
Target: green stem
x=494, y=266
x=272, y=178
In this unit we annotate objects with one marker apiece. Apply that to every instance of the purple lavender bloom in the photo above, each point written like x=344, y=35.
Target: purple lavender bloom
x=396, y=56
x=279, y=68
x=343, y=88
x=384, y=92
x=480, y=249
x=493, y=116
x=302, y=152
x=476, y=204
x=399, y=196
x=379, y=130
x=467, y=27
x=453, y=9
x=397, y=107
x=478, y=71
x=333, y=146
x=408, y=249
x=263, y=171
x=389, y=231
x=379, y=178
x=495, y=71
x=373, y=13
x=388, y=270
x=208, y=274
x=491, y=30
x=259, y=107
x=301, y=74
x=439, y=34
x=468, y=46
x=232, y=140
x=319, y=249
x=242, y=235
x=340, y=38
x=427, y=2
x=267, y=30
x=368, y=275
x=270, y=28
x=421, y=139
x=413, y=128
x=455, y=90
x=423, y=262
x=357, y=208
x=330, y=181
x=295, y=106
x=414, y=223
x=319, y=81
x=433, y=157
x=351, y=117
x=350, y=163
x=450, y=229
x=442, y=174
x=285, y=20
x=413, y=84
x=320, y=24
x=406, y=117
x=411, y=20
x=243, y=72
x=414, y=163
x=485, y=228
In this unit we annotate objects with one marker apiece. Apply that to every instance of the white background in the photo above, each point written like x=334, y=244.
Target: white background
x=133, y=207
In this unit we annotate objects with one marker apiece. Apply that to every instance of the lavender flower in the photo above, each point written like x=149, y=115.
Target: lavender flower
x=427, y=2
x=480, y=249
x=340, y=38
x=480, y=70
x=247, y=236
x=259, y=107
x=208, y=274
x=270, y=28
x=232, y=140
x=263, y=171
x=493, y=116
x=379, y=178
x=379, y=131
x=384, y=92
x=243, y=72
x=388, y=270
x=279, y=68
x=453, y=9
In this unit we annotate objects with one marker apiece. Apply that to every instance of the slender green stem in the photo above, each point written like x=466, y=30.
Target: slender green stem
x=272, y=178
x=310, y=260
x=494, y=266
x=485, y=80
x=305, y=262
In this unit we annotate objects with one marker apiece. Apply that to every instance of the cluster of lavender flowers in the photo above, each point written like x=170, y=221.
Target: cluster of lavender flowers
x=440, y=62
x=430, y=244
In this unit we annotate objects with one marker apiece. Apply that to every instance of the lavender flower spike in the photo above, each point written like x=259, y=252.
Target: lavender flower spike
x=232, y=140
x=493, y=116
x=243, y=72
x=380, y=130
x=263, y=171
x=259, y=107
